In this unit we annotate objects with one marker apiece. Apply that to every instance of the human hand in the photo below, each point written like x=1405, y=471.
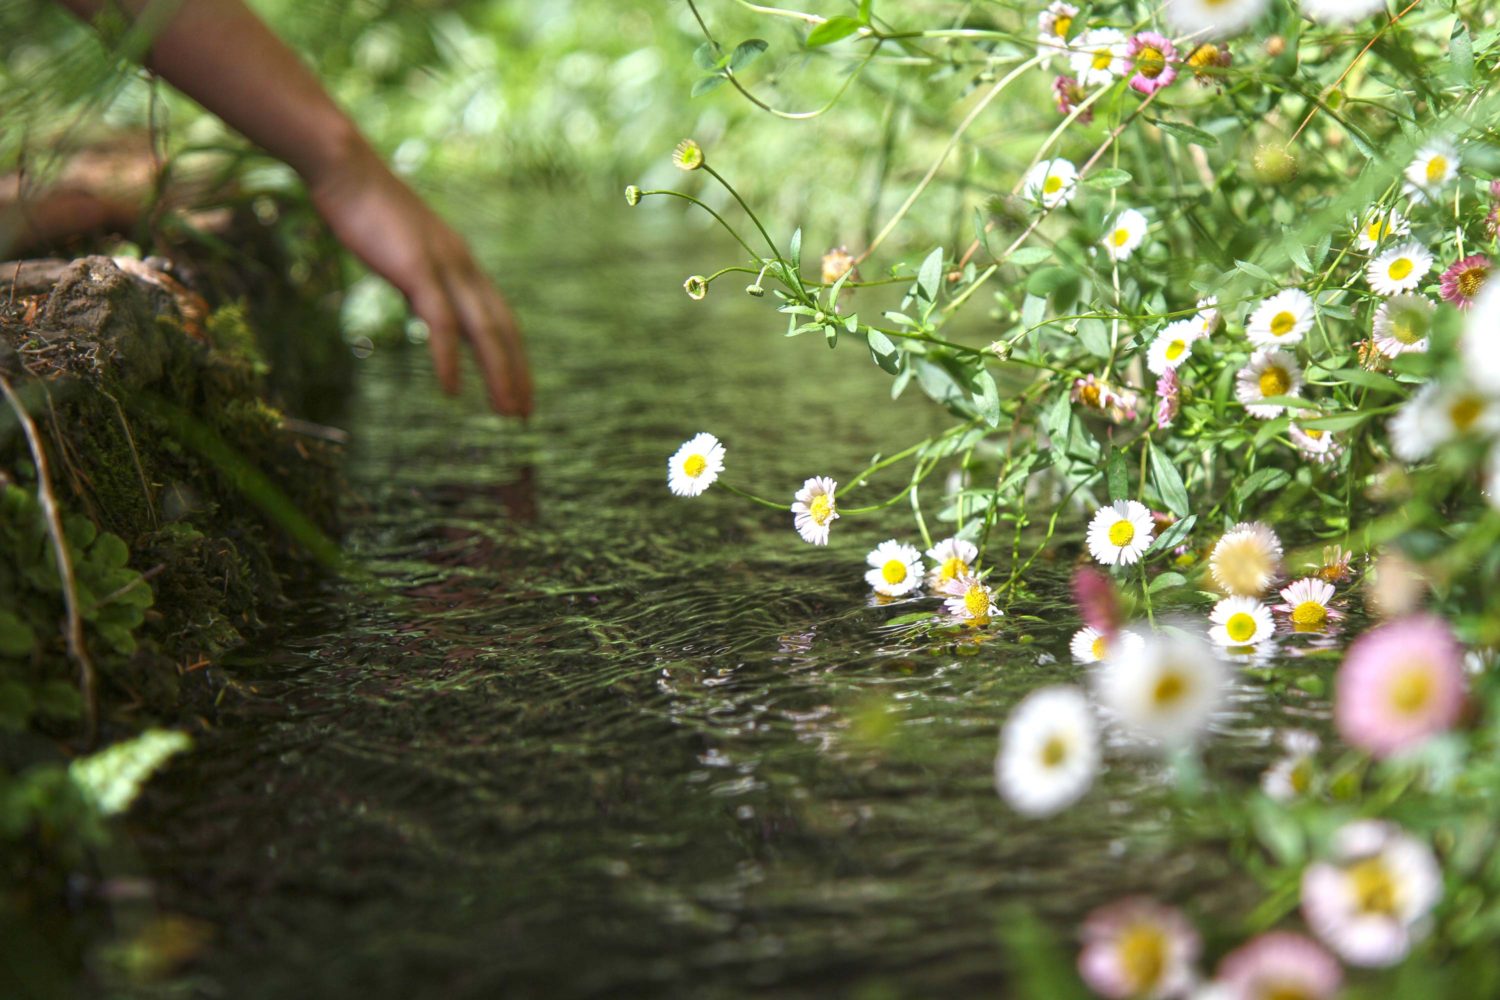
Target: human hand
x=385, y=224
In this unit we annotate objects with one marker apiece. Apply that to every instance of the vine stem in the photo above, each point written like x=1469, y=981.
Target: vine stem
x=717, y=218
x=751, y=496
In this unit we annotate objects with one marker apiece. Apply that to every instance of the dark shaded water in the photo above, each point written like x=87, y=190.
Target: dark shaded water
x=588, y=739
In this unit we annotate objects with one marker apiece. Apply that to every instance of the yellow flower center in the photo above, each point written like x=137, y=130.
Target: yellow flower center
x=1099, y=647
x=1412, y=690
x=1285, y=991
x=1377, y=230
x=1375, y=888
x=1309, y=616
x=1089, y=395
x=1470, y=280
x=1313, y=433
x=1175, y=349
x=1142, y=953
x=1301, y=776
x=1170, y=688
x=1437, y=169
x=1102, y=58
x=1408, y=326
x=977, y=602
x=1052, y=184
x=1400, y=268
x=1150, y=62
x=894, y=571
x=1464, y=410
x=1274, y=381
x=1054, y=751
x=953, y=567
x=1121, y=533
x=1282, y=323
x=1122, y=236
x=694, y=466
x=1062, y=25
x=1240, y=626
x=820, y=508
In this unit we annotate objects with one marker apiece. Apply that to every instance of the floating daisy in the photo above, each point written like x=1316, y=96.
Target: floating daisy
x=1213, y=18
x=1402, y=324
x=895, y=568
x=1164, y=688
x=1435, y=166
x=1280, y=965
x=1382, y=225
x=1314, y=442
x=969, y=600
x=1137, y=947
x=815, y=511
x=1400, y=269
x=695, y=465
x=1099, y=56
x=1246, y=559
x=1340, y=11
x=1089, y=645
x=954, y=558
x=1439, y=413
x=1051, y=183
x=1054, y=26
x=1240, y=621
x=1306, y=604
x=1460, y=284
x=1120, y=533
x=1368, y=901
x=1281, y=319
x=1400, y=684
x=1151, y=60
x=1125, y=234
x=1173, y=345
x=1049, y=752
x=1292, y=776
x=1268, y=374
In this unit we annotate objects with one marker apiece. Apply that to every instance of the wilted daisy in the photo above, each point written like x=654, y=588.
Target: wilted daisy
x=895, y=569
x=1281, y=319
x=1049, y=752
x=695, y=466
x=953, y=557
x=1340, y=11
x=1164, y=688
x=1089, y=645
x=1369, y=900
x=696, y=286
x=1137, y=947
x=1120, y=533
x=1098, y=57
x=1402, y=323
x=1208, y=63
x=1151, y=59
x=1314, y=442
x=1267, y=374
x=1399, y=269
x=1292, y=776
x=1436, y=164
x=1173, y=345
x=1168, y=398
x=1439, y=413
x=1460, y=284
x=1280, y=965
x=1400, y=684
x=1069, y=94
x=1307, y=604
x=1240, y=621
x=1213, y=18
x=1051, y=183
x=1054, y=26
x=1379, y=226
x=1126, y=232
x=814, y=510
x=969, y=600
x=1246, y=559
x=836, y=263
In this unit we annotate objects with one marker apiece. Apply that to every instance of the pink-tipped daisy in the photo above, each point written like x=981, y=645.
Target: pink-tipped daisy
x=1137, y=947
x=1278, y=965
x=969, y=600
x=1464, y=278
x=1151, y=58
x=1400, y=684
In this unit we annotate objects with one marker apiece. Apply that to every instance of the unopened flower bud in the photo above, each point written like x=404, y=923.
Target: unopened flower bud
x=688, y=155
x=632, y=195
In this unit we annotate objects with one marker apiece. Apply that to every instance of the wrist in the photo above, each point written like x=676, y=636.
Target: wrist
x=338, y=150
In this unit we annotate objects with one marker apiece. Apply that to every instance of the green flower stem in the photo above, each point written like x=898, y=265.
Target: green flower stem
x=775, y=251
x=717, y=217
x=751, y=496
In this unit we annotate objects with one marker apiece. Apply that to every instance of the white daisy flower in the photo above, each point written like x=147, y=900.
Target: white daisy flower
x=954, y=558
x=1173, y=345
x=1245, y=559
x=1054, y=25
x=1125, y=234
x=1307, y=603
x=1369, y=901
x=1208, y=19
x=1208, y=314
x=1165, y=688
x=969, y=600
x=1098, y=57
x=895, y=569
x=1089, y=645
x=1314, y=442
x=1292, y=776
x=1340, y=11
x=1402, y=323
x=1281, y=319
x=1120, y=533
x=1268, y=374
x=815, y=511
x=1379, y=226
x=1435, y=166
x=1478, y=342
x=1051, y=183
x=1440, y=413
x=695, y=465
x=1399, y=269
x=1240, y=621
x=1049, y=752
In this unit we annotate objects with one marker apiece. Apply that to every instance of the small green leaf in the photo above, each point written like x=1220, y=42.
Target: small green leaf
x=1117, y=475
x=832, y=30
x=1461, y=48
x=1094, y=336
x=1048, y=280
x=1026, y=256
x=708, y=83
x=1261, y=480
x=1166, y=582
x=796, y=249
x=1187, y=133
x=1109, y=177
x=747, y=52
x=1175, y=533
x=1169, y=485
x=1254, y=270
x=987, y=398
x=930, y=275
x=709, y=56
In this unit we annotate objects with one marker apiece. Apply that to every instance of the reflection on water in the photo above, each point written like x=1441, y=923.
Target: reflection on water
x=585, y=738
